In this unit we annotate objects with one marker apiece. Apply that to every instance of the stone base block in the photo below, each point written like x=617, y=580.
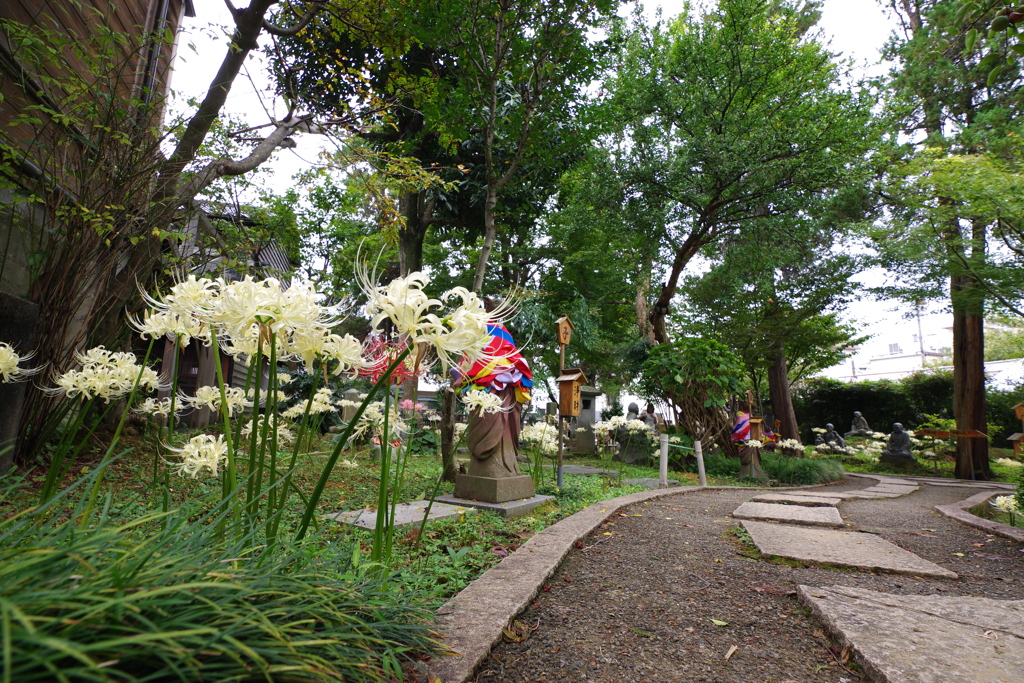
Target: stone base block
x=512, y=508
x=493, y=489
x=406, y=514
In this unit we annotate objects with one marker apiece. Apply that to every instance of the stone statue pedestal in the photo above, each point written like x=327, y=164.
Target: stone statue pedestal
x=750, y=463
x=897, y=458
x=493, y=489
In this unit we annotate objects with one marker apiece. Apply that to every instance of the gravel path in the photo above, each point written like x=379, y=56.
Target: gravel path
x=636, y=602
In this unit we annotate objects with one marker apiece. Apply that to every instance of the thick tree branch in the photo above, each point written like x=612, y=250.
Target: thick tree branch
x=219, y=168
x=286, y=31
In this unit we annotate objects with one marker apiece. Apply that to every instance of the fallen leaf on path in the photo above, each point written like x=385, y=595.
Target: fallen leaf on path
x=716, y=622
x=732, y=650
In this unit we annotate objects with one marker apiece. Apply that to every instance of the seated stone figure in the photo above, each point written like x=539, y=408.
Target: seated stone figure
x=860, y=426
x=898, y=448
x=634, y=445
x=831, y=437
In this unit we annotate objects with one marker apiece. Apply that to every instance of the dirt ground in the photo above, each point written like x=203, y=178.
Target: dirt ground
x=670, y=591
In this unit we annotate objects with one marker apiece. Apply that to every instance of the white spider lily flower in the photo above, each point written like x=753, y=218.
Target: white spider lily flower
x=159, y=407
x=209, y=397
x=321, y=403
x=371, y=422
x=1007, y=462
x=1007, y=504
x=818, y=430
x=105, y=374
x=9, y=361
x=348, y=464
x=541, y=436
x=483, y=402
x=283, y=378
x=285, y=436
x=345, y=352
x=155, y=324
x=791, y=444
x=201, y=452
x=753, y=443
x=420, y=319
x=635, y=426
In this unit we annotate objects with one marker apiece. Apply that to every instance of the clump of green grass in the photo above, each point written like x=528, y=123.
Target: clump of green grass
x=161, y=597
x=802, y=471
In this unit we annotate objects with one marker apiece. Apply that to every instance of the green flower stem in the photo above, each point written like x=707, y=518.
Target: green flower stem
x=102, y=469
x=318, y=490
x=53, y=475
x=381, y=528
x=255, y=434
x=174, y=390
x=231, y=474
x=295, y=451
x=272, y=474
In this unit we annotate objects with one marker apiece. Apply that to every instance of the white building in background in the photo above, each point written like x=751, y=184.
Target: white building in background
x=897, y=348
x=902, y=346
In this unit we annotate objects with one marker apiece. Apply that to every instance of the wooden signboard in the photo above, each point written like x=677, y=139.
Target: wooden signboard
x=569, y=384
x=565, y=328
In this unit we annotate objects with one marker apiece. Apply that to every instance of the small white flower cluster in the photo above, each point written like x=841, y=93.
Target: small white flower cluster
x=753, y=443
x=371, y=422
x=202, y=452
x=209, y=397
x=460, y=429
x=542, y=436
x=791, y=445
x=283, y=378
x=245, y=312
x=321, y=403
x=105, y=374
x=285, y=436
x=1007, y=504
x=419, y=319
x=1008, y=462
x=818, y=430
x=635, y=426
x=159, y=407
x=9, y=360
x=479, y=401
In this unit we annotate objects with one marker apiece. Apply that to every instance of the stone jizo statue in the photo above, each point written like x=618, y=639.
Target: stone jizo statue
x=860, y=426
x=831, y=436
x=898, y=448
x=634, y=446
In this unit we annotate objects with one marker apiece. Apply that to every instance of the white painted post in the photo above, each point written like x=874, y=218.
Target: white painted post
x=699, y=452
x=663, y=463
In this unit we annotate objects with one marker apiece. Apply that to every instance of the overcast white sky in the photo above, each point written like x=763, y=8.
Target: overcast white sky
x=856, y=29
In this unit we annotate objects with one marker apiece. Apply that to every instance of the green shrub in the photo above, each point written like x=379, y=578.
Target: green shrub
x=821, y=400
x=801, y=471
x=163, y=598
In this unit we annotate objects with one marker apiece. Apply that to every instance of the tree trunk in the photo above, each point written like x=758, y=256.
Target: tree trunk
x=448, y=435
x=490, y=232
x=782, y=399
x=969, y=387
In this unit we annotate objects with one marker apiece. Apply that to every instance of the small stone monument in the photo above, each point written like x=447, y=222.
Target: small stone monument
x=898, y=448
x=860, y=426
x=349, y=411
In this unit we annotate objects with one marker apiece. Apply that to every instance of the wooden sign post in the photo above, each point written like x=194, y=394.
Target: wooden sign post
x=569, y=384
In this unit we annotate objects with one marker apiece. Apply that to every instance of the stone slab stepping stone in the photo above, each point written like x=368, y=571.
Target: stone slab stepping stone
x=512, y=508
x=797, y=514
x=406, y=514
x=849, y=548
x=893, y=488
x=650, y=482
x=924, y=638
x=808, y=501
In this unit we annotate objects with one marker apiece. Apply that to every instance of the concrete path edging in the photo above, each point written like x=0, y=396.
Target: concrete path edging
x=472, y=621
x=958, y=511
